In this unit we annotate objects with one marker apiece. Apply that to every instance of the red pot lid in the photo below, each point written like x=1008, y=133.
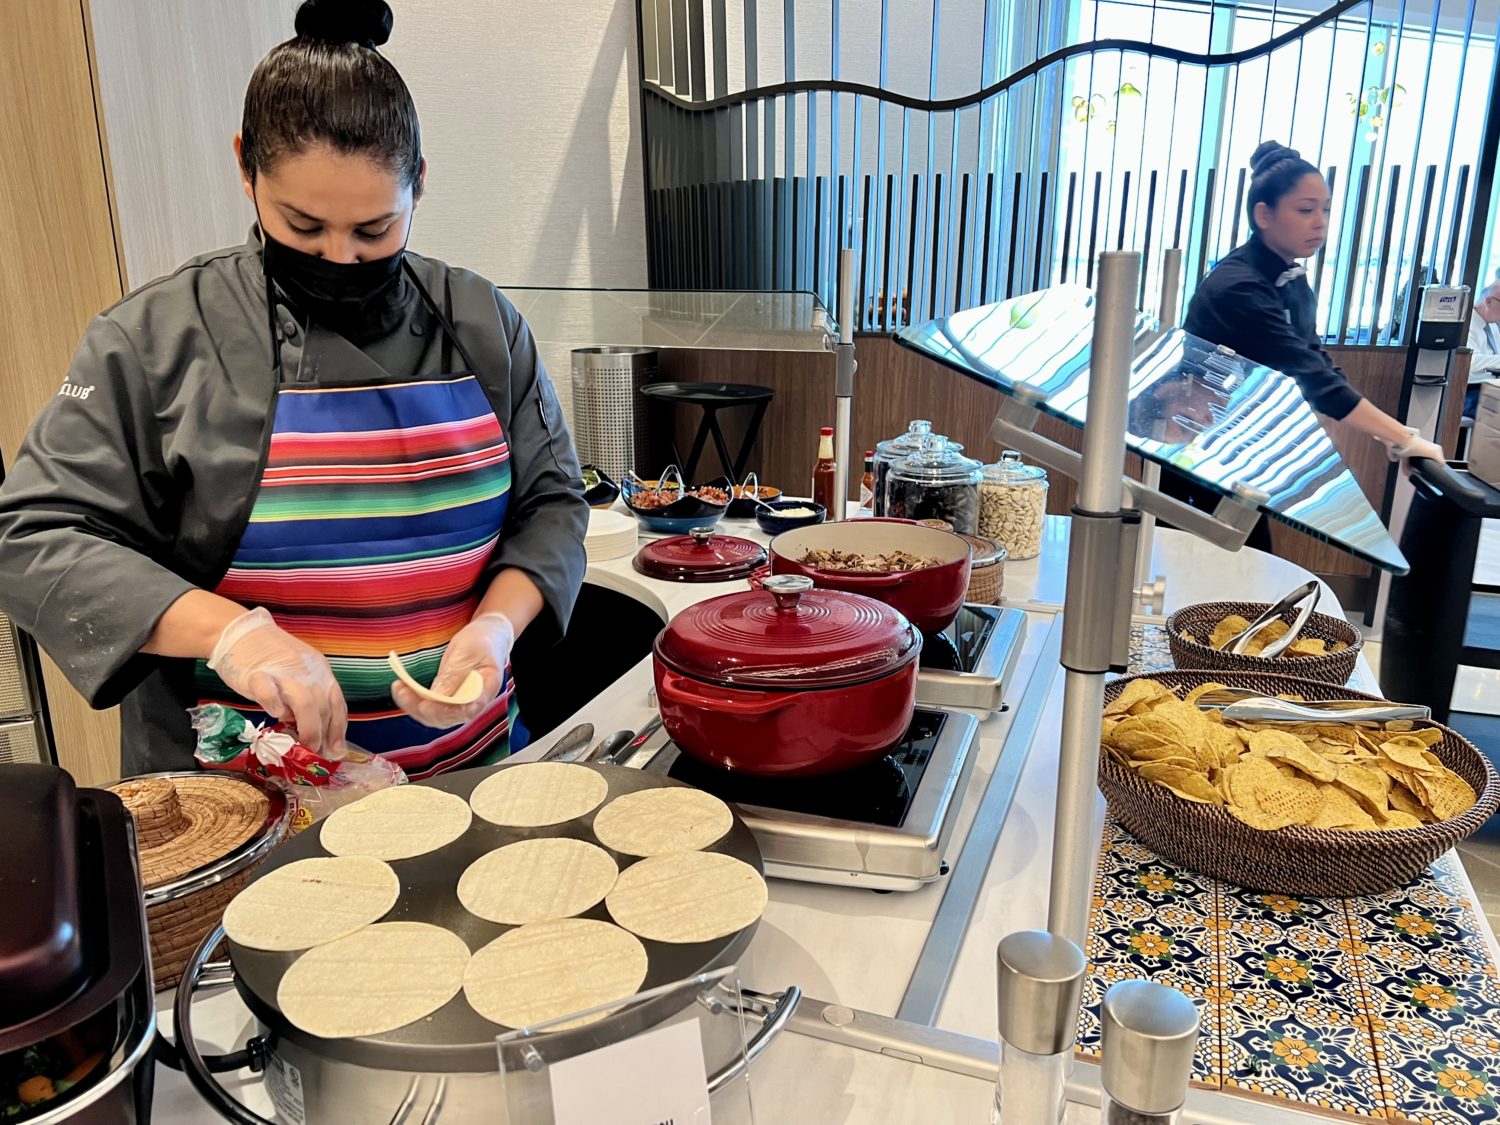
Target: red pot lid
x=700, y=556
x=788, y=635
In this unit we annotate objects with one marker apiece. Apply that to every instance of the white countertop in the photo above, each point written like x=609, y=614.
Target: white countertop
x=858, y=948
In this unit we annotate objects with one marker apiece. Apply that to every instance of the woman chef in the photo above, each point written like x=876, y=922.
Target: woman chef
x=290, y=458
x=1257, y=301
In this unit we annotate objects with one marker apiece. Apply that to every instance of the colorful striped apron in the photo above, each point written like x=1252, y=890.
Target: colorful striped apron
x=377, y=512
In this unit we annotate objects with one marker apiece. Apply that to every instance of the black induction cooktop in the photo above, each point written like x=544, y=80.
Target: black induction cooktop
x=960, y=646
x=880, y=792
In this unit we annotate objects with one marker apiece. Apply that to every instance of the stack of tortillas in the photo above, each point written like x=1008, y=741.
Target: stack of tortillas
x=362, y=976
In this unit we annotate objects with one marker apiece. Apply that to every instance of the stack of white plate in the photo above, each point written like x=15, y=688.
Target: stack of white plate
x=611, y=535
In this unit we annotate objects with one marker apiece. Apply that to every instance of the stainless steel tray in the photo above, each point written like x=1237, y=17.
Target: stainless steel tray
x=455, y=1037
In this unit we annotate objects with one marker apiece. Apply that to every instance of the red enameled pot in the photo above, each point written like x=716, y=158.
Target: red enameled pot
x=929, y=598
x=789, y=681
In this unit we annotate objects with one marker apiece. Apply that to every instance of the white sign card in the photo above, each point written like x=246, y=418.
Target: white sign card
x=652, y=1079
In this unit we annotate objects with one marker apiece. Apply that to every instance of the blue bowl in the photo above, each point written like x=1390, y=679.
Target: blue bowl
x=773, y=524
x=677, y=525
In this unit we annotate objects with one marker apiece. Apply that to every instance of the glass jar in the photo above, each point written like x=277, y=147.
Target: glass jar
x=1013, y=505
x=936, y=483
x=888, y=452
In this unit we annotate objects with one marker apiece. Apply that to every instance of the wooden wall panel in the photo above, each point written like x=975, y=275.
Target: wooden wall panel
x=894, y=385
x=61, y=268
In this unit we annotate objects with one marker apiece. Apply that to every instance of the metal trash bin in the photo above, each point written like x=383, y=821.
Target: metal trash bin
x=609, y=422
x=1423, y=639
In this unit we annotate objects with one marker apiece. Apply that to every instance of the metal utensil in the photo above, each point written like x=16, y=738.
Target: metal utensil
x=625, y=753
x=609, y=746
x=569, y=747
x=1250, y=706
x=1306, y=596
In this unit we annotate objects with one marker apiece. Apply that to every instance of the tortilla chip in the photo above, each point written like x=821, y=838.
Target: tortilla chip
x=1136, y=691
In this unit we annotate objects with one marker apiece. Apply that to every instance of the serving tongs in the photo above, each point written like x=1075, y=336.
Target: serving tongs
x=1253, y=706
x=1306, y=597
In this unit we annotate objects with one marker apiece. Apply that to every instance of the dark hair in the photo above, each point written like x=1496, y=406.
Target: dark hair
x=331, y=86
x=1274, y=171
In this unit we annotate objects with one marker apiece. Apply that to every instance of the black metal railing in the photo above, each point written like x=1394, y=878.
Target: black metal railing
x=758, y=189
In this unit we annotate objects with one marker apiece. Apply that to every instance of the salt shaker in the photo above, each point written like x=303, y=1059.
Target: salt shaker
x=1039, y=982
x=1149, y=1034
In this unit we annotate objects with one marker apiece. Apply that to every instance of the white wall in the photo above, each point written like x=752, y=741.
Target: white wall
x=529, y=113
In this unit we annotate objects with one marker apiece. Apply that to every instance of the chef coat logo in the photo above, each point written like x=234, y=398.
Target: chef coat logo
x=73, y=390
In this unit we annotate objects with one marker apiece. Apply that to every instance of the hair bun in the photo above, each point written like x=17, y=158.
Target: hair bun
x=1268, y=153
x=345, y=21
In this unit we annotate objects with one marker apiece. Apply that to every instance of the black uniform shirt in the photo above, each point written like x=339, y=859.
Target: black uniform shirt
x=1240, y=306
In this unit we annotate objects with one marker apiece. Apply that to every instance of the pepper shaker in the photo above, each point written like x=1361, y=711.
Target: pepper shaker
x=1039, y=985
x=1149, y=1034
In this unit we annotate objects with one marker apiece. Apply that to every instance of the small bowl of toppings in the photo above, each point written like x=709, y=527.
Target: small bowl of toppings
x=784, y=515
x=664, y=505
x=744, y=506
x=598, y=490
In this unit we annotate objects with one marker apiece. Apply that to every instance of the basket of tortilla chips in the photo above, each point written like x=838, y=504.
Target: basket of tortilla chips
x=1327, y=649
x=1317, y=809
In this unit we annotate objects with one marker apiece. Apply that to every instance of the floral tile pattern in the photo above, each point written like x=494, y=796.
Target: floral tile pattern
x=1380, y=1008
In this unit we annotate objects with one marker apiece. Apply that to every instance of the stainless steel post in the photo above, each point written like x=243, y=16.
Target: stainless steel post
x=843, y=386
x=1092, y=579
x=1171, y=282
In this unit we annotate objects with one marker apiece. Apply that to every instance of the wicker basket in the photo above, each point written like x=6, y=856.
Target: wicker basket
x=199, y=836
x=1309, y=862
x=1199, y=621
x=986, y=572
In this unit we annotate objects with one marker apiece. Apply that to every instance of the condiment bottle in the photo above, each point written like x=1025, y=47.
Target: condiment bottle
x=867, y=483
x=1039, y=984
x=823, y=475
x=936, y=483
x=898, y=448
x=1149, y=1034
x=1013, y=505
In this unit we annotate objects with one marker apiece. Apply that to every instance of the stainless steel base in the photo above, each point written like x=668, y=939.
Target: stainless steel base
x=984, y=687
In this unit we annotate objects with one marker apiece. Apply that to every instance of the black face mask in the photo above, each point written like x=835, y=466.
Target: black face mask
x=354, y=299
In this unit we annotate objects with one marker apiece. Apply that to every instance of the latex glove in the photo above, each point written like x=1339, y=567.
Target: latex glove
x=483, y=646
x=1415, y=446
x=288, y=679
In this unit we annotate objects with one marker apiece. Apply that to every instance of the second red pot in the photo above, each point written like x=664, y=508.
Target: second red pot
x=789, y=682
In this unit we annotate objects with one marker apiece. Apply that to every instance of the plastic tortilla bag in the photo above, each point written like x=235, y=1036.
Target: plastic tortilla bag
x=315, y=783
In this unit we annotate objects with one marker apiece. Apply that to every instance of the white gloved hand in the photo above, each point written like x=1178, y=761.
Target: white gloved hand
x=1415, y=446
x=483, y=646
x=288, y=679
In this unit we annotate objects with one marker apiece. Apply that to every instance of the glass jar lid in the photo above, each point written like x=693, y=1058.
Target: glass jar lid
x=700, y=556
x=893, y=449
x=788, y=635
x=1010, y=469
x=939, y=461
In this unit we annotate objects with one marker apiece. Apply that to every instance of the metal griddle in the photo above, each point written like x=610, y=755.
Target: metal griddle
x=455, y=1037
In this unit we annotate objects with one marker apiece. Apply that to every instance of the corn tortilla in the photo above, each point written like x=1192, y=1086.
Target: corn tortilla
x=536, y=880
x=536, y=794
x=547, y=970
x=687, y=897
x=375, y=980
x=659, y=821
x=311, y=902
x=398, y=823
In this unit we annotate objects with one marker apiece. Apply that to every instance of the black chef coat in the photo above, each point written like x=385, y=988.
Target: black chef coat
x=1240, y=306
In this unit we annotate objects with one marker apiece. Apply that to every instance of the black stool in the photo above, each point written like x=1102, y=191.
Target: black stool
x=710, y=398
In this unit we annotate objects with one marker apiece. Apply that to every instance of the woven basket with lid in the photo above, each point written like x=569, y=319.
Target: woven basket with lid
x=1309, y=862
x=199, y=836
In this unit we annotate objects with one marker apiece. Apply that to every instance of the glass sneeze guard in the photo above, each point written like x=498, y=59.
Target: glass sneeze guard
x=1211, y=415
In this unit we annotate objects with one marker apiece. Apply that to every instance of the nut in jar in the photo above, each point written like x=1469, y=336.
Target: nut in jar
x=1013, y=505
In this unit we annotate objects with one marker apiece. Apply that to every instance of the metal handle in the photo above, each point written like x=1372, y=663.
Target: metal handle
x=701, y=535
x=192, y=1060
x=787, y=589
x=772, y=1022
x=627, y=751
x=1272, y=710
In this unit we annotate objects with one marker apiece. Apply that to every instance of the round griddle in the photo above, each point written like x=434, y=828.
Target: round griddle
x=455, y=1037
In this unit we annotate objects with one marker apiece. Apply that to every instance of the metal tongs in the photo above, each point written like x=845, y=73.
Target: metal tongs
x=1252, y=706
x=1306, y=595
